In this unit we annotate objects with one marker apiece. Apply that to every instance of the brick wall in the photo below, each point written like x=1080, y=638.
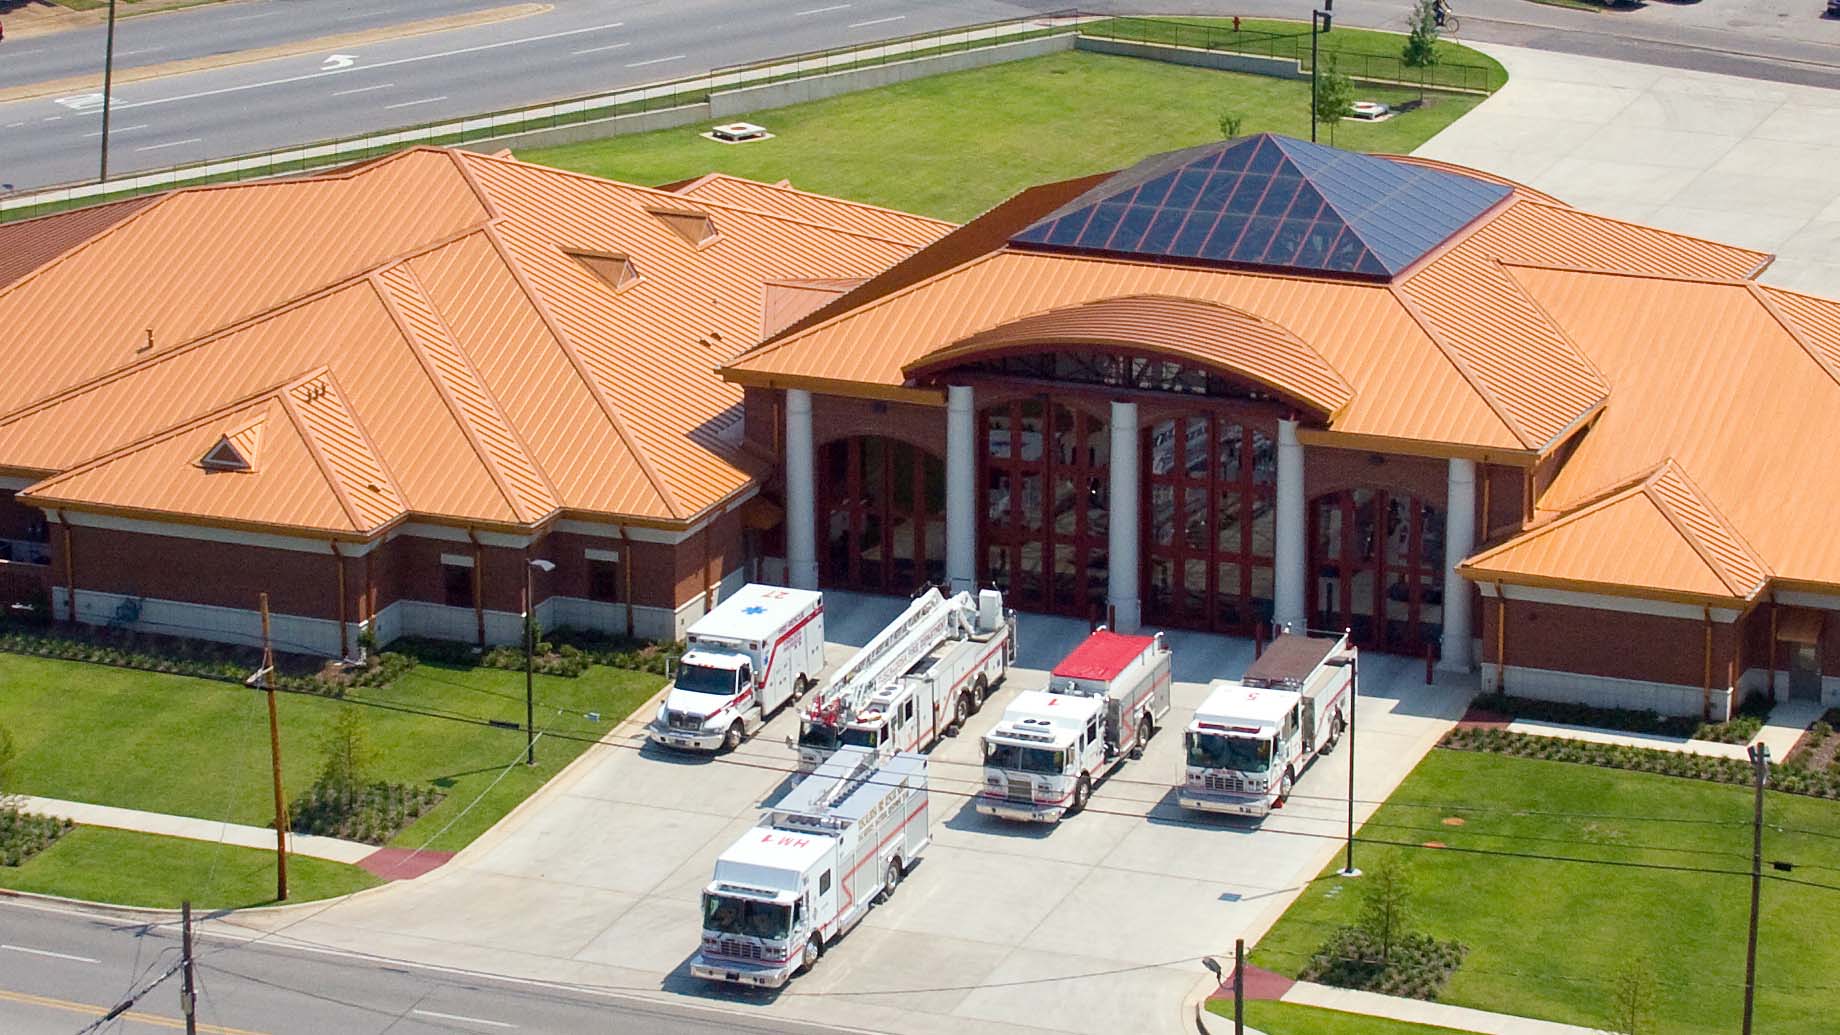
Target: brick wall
x=1613, y=644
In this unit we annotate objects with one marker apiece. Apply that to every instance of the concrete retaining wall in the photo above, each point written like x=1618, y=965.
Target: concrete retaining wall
x=1607, y=692
x=1277, y=68
x=726, y=105
x=598, y=129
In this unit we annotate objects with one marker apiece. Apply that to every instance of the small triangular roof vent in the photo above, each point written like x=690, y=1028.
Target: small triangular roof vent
x=692, y=225
x=235, y=450
x=618, y=272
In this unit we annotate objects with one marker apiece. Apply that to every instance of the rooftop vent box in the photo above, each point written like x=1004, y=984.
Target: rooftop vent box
x=1372, y=111
x=739, y=133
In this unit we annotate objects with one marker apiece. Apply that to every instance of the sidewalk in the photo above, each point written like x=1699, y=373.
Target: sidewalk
x=330, y=848
x=1655, y=741
x=1786, y=724
x=1418, y=1011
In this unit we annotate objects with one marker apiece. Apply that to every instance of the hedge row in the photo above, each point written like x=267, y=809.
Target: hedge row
x=201, y=659
x=25, y=834
x=1739, y=730
x=1789, y=779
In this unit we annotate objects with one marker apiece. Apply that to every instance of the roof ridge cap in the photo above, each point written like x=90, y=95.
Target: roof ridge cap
x=1552, y=323
x=1605, y=271
x=159, y=199
x=1560, y=206
x=1673, y=466
x=1462, y=366
x=334, y=484
x=387, y=295
x=788, y=188
x=654, y=477
x=1793, y=329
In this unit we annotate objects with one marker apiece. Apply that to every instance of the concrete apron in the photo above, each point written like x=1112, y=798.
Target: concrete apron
x=1093, y=926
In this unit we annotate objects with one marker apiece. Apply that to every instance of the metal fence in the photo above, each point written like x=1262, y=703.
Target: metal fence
x=676, y=93
x=1369, y=65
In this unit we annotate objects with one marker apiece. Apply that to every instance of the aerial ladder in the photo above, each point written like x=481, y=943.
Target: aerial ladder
x=929, y=620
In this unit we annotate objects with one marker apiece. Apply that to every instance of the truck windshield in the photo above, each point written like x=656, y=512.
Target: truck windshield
x=1024, y=759
x=723, y=914
x=703, y=679
x=1214, y=751
x=820, y=735
x=862, y=736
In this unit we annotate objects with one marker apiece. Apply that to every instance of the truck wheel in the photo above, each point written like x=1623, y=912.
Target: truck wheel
x=891, y=880
x=1148, y=727
x=814, y=951
x=1336, y=726
x=734, y=736
x=980, y=694
x=1284, y=788
x=1081, y=792
x=961, y=713
x=799, y=686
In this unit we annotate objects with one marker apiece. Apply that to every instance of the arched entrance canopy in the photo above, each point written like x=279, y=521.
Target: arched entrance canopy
x=1190, y=332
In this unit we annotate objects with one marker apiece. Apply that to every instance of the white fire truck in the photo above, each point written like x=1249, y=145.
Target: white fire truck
x=923, y=675
x=837, y=844
x=1250, y=740
x=758, y=649
x=1102, y=705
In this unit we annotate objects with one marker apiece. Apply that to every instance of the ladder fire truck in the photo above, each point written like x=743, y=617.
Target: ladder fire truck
x=923, y=675
x=837, y=844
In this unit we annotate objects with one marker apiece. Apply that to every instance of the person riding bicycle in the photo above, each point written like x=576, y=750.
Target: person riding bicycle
x=1440, y=11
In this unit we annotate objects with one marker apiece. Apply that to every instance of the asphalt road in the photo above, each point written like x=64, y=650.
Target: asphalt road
x=584, y=46
x=60, y=969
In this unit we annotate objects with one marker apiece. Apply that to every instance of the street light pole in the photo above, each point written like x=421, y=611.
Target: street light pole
x=1760, y=764
x=1325, y=18
x=108, y=81
x=1352, y=662
x=530, y=659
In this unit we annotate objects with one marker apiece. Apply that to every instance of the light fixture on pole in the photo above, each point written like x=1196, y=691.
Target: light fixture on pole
x=530, y=659
x=1351, y=661
x=1324, y=18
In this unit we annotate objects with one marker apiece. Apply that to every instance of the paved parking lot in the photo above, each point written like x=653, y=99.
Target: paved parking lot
x=1092, y=926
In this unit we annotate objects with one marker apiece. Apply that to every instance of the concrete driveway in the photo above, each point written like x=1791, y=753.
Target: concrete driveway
x=1093, y=926
x=1743, y=161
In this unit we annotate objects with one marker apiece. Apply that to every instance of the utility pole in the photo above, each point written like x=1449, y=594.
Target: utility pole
x=263, y=680
x=188, y=989
x=1325, y=18
x=530, y=657
x=1760, y=762
x=108, y=94
x=1352, y=662
x=1239, y=986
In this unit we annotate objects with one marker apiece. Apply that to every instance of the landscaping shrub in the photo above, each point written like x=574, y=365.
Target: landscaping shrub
x=620, y=652
x=200, y=659
x=550, y=660
x=1790, y=779
x=1631, y=720
x=344, y=802
x=1417, y=965
x=23, y=834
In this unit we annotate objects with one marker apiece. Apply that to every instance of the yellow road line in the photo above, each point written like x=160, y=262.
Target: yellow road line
x=97, y=1011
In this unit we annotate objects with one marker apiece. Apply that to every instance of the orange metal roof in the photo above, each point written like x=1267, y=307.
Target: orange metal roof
x=783, y=199
x=27, y=244
x=502, y=383
x=1656, y=537
x=1181, y=328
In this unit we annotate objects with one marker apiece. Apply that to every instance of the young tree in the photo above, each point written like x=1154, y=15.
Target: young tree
x=1334, y=97
x=1632, y=998
x=7, y=754
x=1421, y=43
x=1386, y=906
x=347, y=752
x=1229, y=124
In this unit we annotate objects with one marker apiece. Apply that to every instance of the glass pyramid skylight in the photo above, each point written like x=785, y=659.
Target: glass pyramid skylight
x=1271, y=201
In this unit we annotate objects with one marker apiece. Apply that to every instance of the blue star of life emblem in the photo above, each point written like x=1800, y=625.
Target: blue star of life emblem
x=756, y=610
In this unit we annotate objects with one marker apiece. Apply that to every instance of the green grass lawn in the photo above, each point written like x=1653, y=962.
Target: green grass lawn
x=1291, y=1019
x=103, y=865
x=1291, y=39
x=962, y=142
x=1547, y=938
x=200, y=748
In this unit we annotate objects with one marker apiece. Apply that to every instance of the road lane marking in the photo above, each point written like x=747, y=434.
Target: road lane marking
x=114, y=129
x=461, y=1019
x=597, y=50
x=132, y=1015
x=820, y=10
x=410, y=104
x=371, y=68
x=877, y=21
x=250, y=17
x=143, y=50
x=334, y=62
x=171, y=143
x=364, y=89
x=656, y=61
x=14, y=125
x=48, y=952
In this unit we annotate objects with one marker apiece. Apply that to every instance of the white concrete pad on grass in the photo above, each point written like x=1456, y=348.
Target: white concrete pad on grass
x=1742, y=161
x=1654, y=741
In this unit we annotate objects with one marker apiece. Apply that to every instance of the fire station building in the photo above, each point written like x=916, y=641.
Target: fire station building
x=1257, y=383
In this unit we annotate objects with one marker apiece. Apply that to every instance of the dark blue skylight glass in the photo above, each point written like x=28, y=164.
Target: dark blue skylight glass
x=1271, y=201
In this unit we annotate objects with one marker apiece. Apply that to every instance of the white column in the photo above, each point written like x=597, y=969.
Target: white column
x=1288, y=559
x=1126, y=492
x=801, y=493
x=1459, y=542
x=961, y=488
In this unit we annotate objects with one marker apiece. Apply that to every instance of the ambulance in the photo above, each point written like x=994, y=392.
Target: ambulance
x=760, y=648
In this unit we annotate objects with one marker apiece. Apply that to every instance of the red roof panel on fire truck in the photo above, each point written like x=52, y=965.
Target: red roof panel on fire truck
x=1102, y=656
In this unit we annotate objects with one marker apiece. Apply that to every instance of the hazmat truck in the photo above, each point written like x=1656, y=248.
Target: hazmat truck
x=836, y=845
x=1250, y=740
x=758, y=649
x=1102, y=705
x=925, y=674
